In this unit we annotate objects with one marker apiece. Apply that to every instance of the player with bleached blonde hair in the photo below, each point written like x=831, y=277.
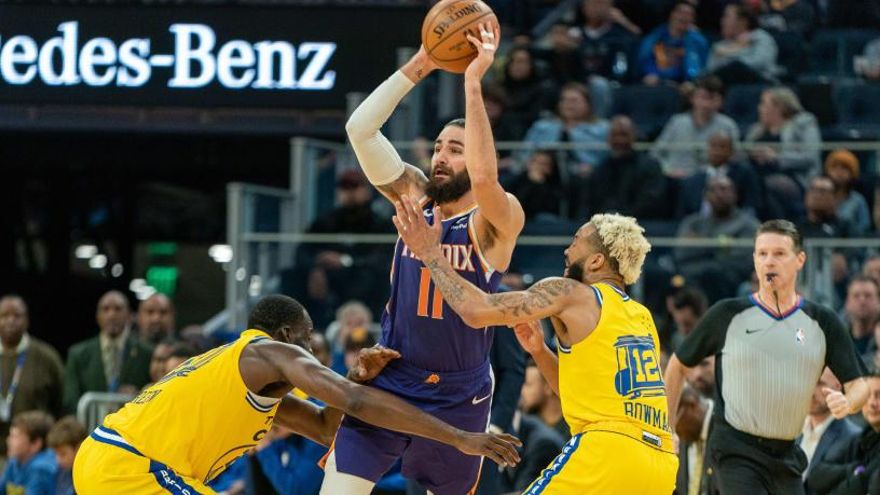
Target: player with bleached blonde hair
x=607, y=373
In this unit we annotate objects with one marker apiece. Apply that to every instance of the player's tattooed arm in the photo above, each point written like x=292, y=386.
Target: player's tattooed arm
x=411, y=183
x=478, y=309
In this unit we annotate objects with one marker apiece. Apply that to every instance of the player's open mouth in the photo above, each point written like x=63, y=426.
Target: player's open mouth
x=440, y=174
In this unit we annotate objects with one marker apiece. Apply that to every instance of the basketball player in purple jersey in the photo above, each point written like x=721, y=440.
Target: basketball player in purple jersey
x=444, y=368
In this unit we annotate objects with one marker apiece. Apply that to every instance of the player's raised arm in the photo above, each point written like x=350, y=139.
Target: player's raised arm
x=478, y=309
x=302, y=370
x=500, y=209
x=379, y=160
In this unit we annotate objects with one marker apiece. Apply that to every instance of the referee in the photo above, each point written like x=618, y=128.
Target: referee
x=770, y=349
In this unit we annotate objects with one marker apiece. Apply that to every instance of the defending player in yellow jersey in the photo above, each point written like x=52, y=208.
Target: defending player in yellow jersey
x=607, y=374
x=180, y=433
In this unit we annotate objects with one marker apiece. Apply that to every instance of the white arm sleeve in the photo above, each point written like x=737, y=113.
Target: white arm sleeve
x=379, y=160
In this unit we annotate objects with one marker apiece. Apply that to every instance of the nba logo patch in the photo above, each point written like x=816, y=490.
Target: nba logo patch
x=800, y=336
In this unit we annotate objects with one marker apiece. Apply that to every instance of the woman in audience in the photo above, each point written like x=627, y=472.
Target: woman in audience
x=574, y=123
x=843, y=168
x=784, y=148
x=527, y=92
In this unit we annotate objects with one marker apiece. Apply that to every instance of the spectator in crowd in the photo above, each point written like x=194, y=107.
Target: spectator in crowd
x=194, y=335
x=843, y=168
x=528, y=92
x=745, y=53
x=868, y=65
x=541, y=444
x=785, y=149
x=576, y=123
x=31, y=373
x=115, y=360
x=31, y=468
x=626, y=182
x=693, y=429
x=862, y=309
x=871, y=268
x=290, y=462
x=64, y=439
x=561, y=56
x=607, y=39
x=155, y=319
x=856, y=469
x=687, y=306
x=539, y=188
x=821, y=220
x=872, y=356
x=359, y=338
x=674, y=52
x=505, y=126
x=339, y=272
x=717, y=270
x=160, y=356
x=824, y=436
x=538, y=399
x=180, y=352
x=508, y=366
x=749, y=190
x=702, y=377
x=692, y=127
x=786, y=136
x=351, y=316
x=788, y=16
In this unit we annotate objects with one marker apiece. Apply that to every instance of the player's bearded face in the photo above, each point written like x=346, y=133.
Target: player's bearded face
x=575, y=270
x=446, y=186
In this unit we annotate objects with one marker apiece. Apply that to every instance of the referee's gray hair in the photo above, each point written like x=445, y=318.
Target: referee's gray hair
x=624, y=241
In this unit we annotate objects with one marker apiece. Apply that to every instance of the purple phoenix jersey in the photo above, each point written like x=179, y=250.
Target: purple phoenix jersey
x=444, y=370
x=418, y=322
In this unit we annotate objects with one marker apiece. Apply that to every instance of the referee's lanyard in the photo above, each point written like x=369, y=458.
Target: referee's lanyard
x=6, y=400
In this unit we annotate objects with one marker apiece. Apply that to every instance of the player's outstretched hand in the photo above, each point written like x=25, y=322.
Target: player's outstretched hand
x=500, y=447
x=530, y=336
x=370, y=362
x=486, y=46
x=418, y=236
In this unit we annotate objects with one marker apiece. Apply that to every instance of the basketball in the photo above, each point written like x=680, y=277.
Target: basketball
x=444, y=29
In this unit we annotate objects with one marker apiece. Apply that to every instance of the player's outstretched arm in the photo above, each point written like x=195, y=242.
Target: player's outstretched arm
x=320, y=423
x=374, y=406
x=379, y=160
x=478, y=309
x=503, y=211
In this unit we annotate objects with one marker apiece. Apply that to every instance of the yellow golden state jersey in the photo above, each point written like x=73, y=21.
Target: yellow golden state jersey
x=200, y=417
x=612, y=380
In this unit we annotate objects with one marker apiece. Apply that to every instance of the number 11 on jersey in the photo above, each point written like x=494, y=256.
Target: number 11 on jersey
x=425, y=289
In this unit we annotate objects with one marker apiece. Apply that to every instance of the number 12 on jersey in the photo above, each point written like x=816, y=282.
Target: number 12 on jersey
x=437, y=299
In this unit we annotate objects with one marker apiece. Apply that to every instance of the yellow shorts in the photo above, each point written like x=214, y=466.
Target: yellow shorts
x=607, y=463
x=105, y=465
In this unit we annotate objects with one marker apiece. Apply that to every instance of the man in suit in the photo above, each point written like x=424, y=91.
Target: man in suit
x=113, y=361
x=31, y=373
x=823, y=436
x=694, y=423
x=749, y=191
